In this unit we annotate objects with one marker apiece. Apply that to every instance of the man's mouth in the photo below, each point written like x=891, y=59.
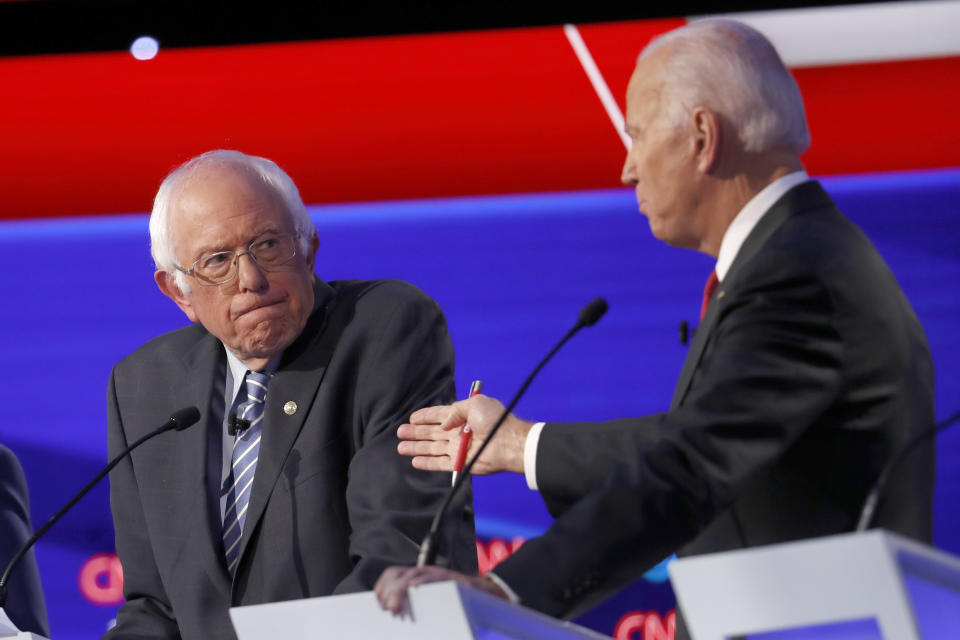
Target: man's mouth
x=259, y=305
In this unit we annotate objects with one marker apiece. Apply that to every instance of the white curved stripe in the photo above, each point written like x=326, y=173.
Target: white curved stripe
x=249, y=449
x=236, y=497
x=252, y=464
x=230, y=550
x=233, y=524
x=252, y=381
x=846, y=34
x=596, y=79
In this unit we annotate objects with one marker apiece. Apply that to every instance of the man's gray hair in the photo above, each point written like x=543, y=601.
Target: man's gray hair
x=732, y=68
x=161, y=245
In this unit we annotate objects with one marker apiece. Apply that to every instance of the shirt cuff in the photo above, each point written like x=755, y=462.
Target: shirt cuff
x=530, y=454
x=497, y=580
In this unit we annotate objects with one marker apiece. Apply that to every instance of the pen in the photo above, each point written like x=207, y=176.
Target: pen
x=465, y=434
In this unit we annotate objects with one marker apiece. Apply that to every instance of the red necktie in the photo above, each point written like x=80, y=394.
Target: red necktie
x=708, y=290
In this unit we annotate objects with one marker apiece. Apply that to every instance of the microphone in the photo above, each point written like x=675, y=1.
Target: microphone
x=178, y=421
x=236, y=425
x=590, y=314
x=876, y=492
x=588, y=317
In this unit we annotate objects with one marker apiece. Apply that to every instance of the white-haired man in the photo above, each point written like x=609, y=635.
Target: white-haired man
x=808, y=371
x=290, y=486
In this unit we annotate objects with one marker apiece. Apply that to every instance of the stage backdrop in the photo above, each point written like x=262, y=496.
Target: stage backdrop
x=481, y=167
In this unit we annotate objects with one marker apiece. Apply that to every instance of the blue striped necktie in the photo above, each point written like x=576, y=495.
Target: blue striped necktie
x=246, y=449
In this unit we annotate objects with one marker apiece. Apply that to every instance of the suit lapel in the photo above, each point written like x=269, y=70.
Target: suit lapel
x=198, y=384
x=805, y=196
x=289, y=400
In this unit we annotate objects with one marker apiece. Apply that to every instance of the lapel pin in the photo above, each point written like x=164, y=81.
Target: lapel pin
x=290, y=408
x=720, y=294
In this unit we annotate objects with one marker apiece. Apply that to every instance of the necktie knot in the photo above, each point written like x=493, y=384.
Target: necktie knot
x=256, y=384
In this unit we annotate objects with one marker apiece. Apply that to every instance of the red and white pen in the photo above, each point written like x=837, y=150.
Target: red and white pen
x=465, y=435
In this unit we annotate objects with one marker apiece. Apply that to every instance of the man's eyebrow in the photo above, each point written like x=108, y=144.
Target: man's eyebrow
x=213, y=248
x=222, y=246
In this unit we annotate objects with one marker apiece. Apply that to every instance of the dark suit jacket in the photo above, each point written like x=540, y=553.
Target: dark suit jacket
x=25, y=606
x=808, y=372
x=332, y=502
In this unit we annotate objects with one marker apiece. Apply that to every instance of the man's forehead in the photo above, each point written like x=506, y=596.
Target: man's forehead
x=643, y=94
x=205, y=190
x=648, y=73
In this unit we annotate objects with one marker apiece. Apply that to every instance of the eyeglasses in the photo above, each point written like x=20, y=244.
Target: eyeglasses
x=270, y=251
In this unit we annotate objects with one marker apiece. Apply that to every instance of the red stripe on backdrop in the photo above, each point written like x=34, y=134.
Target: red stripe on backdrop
x=402, y=117
x=883, y=116
x=405, y=117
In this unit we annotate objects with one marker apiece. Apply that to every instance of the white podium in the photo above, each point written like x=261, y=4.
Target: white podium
x=444, y=610
x=8, y=630
x=859, y=586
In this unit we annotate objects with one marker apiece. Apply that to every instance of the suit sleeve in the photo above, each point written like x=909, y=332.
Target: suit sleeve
x=25, y=606
x=407, y=364
x=146, y=613
x=772, y=367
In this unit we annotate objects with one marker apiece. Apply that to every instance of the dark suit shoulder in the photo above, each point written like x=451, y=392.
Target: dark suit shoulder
x=11, y=475
x=168, y=347
x=385, y=290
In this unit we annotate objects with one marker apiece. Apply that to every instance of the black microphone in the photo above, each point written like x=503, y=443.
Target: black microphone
x=591, y=313
x=179, y=421
x=587, y=318
x=876, y=492
x=236, y=425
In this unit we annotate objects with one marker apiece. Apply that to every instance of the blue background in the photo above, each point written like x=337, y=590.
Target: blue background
x=511, y=273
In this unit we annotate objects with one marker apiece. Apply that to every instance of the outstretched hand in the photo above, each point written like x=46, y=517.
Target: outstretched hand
x=432, y=436
x=391, y=588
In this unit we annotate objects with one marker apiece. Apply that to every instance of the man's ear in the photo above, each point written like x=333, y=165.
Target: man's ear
x=167, y=283
x=312, y=251
x=706, y=131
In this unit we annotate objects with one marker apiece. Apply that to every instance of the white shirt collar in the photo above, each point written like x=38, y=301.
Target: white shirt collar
x=750, y=215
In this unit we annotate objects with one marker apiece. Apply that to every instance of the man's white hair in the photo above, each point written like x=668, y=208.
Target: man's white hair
x=733, y=69
x=161, y=244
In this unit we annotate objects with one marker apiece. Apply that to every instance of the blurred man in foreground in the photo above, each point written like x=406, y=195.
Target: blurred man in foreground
x=290, y=486
x=25, y=606
x=808, y=371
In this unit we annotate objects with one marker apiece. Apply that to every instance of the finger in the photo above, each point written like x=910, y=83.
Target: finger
x=430, y=574
x=423, y=448
x=430, y=415
x=421, y=432
x=456, y=417
x=432, y=463
x=391, y=589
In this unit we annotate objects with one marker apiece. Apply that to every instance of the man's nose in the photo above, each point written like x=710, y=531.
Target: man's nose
x=628, y=175
x=250, y=276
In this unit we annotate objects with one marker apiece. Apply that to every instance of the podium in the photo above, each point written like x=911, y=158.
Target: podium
x=858, y=586
x=9, y=631
x=445, y=610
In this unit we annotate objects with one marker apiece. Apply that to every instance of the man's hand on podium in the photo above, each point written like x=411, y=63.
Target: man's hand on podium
x=391, y=588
